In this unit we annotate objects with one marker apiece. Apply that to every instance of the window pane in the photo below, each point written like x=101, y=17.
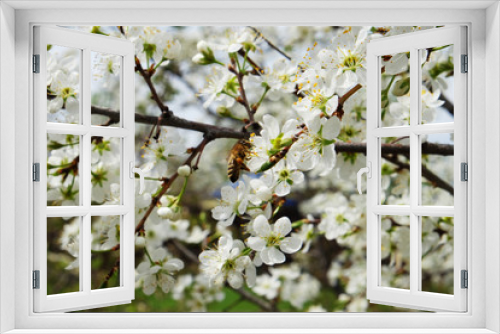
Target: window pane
x=106, y=161
x=105, y=256
x=437, y=254
x=395, y=172
x=395, y=251
x=437, y=169
x=63, y=84
x=395, y=89
x=63, y=169
x=437, y=85
x=105, y=89
x=63, y=250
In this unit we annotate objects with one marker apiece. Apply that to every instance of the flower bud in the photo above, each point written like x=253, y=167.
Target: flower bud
x=199, y=59
x=401, y=87
x=184, y=170
x=165, y=213
x=202, y=46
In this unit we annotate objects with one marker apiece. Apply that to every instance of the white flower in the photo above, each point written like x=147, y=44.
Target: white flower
x=316, y=104
x=165, y=212
x=272, y=139
x=317, y=147
x=70, y=241
x=269, y=241
x=335, y=222
x=153, y=43
x=158, y=272
x=306, y=234
x=235, y=41
x=218, y=86
x=396, y=64
x=197, y=235
x=261, y=189
x=233, y=202
x=267, y=286
x=176, y=229
x=298, y=293
x=156, y=153
x=286, y=175
x=316, y=308
x=227, y=263
x=279, y=78
x=349, y=58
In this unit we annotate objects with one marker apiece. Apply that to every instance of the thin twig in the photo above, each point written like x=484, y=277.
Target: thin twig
x=270, y=43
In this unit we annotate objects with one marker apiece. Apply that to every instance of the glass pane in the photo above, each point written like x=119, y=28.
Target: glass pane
x=105, y=255
x=63, y=167
x=63, y=84
x=395, y=171
x=106, y=161
x=105, y=89
x=437, y=169
x=63, y=249
x=395, y=251
x=395, y=89
x=437, y=254
x=437, y=85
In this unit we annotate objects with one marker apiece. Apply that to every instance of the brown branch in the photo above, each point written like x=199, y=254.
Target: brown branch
x=340, y=107
x=428, y=174
x=223, y=132
x=242, y=98
x=172, y=120
x=168, y=183
x=110, y=274
x=427, y=148
x=154, y=94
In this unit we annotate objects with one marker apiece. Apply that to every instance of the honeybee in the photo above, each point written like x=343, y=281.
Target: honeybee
x=237, y=157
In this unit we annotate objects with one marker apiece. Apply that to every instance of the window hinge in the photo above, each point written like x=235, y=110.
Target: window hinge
x=465, y=64
x=36, y=279
x=464, y=171
x=464, y=279
x=36, y=172
x=36, y=63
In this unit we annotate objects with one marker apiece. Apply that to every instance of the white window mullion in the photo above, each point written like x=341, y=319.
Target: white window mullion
x=414, y=170
x=372, y=184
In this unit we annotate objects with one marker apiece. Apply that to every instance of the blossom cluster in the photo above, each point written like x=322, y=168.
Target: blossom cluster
x=292, y=228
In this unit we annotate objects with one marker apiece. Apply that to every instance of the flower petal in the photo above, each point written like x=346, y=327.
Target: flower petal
x=261, y=226
x=256, y=243
x=331, y=128
x=282, y=227
x=264, y=256
x=235, y=279
x=173, y=265
x=291, y=245
x=276, y=256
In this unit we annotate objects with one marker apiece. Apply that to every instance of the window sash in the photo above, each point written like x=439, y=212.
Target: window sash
x=86, y=298
x=413, y=298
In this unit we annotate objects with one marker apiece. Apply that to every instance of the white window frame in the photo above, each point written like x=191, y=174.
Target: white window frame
x=85, y=298
x=414, y=297
x=484, y=103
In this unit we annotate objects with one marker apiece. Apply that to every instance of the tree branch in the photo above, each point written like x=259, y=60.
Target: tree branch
x=428, y=174
x=172, y=120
